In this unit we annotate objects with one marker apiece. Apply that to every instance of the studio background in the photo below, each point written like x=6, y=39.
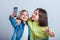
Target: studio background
x=51, y=6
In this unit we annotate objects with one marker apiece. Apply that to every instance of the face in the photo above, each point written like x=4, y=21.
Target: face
x=24, y=16
x=35, y=15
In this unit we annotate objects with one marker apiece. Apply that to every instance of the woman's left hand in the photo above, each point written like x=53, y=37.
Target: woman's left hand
x=18, y=21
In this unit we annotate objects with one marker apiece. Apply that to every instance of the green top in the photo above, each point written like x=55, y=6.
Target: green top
x=37, y=32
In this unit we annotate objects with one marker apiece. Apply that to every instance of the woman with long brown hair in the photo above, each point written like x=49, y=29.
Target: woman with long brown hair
x=38, y=23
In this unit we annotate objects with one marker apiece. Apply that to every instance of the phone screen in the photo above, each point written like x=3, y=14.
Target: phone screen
x=15, y=10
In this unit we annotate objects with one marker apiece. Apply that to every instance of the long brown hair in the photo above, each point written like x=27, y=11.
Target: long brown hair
x=43, y=20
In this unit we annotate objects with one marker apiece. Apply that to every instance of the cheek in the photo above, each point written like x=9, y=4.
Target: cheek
x=26, y=17
x=36, y=17
x=21, y=17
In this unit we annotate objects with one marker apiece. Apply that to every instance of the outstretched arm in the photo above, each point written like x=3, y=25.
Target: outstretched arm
x=12, y=20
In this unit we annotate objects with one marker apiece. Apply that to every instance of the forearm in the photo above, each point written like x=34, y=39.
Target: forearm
x=12, y=20
x=51, y=34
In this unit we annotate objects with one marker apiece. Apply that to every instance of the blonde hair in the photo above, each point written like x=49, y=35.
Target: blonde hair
x=20, y=13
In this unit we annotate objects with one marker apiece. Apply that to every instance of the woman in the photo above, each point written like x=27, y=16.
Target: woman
x=21, y=29
x=38, y=23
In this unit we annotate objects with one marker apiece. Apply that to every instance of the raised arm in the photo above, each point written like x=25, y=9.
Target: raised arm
x=12, y=20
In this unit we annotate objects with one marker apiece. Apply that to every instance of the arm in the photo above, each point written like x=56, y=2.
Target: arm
x=49, y=32
x=12, y=20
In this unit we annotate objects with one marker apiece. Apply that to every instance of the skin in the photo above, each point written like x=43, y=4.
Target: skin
x=35, y=16
x=24, y=16
x=49, y=32
x=18, y=21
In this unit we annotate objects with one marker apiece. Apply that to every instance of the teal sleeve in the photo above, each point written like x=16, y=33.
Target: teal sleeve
x=13, y=21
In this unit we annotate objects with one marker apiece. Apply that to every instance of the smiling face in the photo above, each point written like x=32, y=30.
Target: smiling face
x=35, y=15
x=40, y=15
x=24, y=16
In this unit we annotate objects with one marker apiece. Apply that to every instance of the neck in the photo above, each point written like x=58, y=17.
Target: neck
x=24, y=22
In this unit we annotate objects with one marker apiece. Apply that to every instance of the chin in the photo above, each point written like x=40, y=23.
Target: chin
x=32, y=19
x=25, y=20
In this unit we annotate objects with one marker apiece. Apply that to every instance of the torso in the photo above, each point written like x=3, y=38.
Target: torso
x=25, y=33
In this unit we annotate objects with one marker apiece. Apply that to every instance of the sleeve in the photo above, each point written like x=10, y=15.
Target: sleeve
x=13, y=21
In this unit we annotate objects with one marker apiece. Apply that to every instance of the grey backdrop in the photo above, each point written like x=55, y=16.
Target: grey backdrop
x=6, y=7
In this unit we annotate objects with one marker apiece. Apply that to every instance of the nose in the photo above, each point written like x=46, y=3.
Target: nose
x=33, y=14
x=24, y=16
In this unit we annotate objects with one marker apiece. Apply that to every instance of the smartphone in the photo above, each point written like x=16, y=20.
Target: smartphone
x=15, y=9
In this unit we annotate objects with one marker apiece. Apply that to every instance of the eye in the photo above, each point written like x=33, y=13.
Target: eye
x=35, y=13
x=26, y=15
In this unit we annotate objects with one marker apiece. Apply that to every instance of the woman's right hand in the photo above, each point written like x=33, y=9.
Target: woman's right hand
x=13, y=14
x=49, y=32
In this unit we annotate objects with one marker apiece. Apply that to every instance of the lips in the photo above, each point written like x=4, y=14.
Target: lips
x=33, y=16
x=24, y=18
